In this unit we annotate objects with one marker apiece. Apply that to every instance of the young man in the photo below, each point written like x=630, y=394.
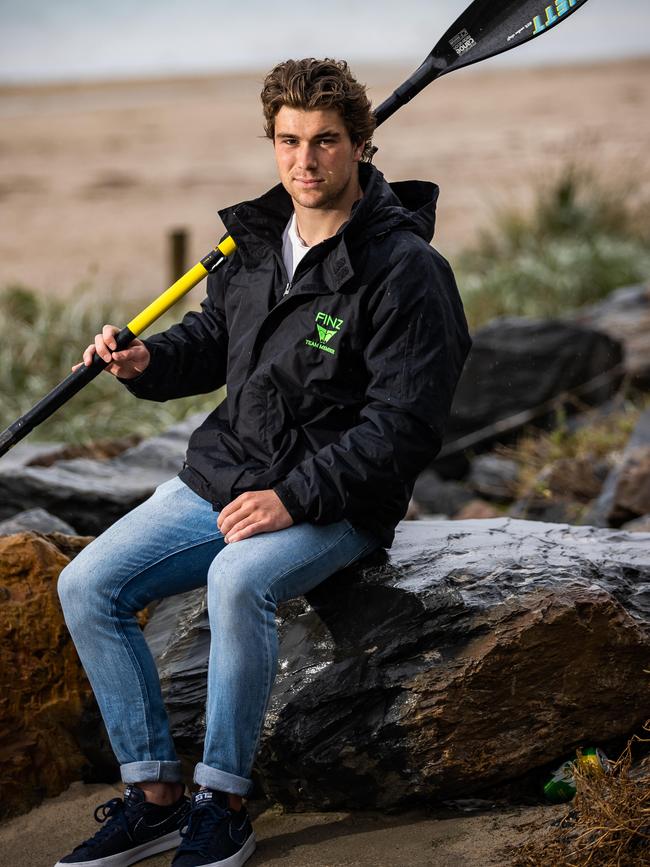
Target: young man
x=340, y=335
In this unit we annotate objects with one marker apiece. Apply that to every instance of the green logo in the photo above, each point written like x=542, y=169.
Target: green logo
x=327, y=327
x=324, y=334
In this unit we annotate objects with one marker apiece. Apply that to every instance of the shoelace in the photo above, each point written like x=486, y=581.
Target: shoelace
x=112, y=812
x=198, y=833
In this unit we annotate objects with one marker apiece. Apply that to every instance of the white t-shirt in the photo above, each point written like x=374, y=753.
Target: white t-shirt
x=293, y=247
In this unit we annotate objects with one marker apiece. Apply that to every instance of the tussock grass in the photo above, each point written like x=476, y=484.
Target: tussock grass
x=607, y=823
x=599, y=439
x=41, y=338
x=581, y=239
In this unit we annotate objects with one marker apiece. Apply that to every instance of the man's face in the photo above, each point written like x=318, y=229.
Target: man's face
x=317, y=161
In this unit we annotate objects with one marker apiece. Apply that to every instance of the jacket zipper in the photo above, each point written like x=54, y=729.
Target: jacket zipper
x=287, y=288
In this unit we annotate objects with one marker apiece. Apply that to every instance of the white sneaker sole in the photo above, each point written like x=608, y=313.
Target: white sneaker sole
x=123, y=859
x=238, y=858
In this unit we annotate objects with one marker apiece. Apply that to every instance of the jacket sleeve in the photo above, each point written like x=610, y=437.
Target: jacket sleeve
x=417, y=346
x=190, y=357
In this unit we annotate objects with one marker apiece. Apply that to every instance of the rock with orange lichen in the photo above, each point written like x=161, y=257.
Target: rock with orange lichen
x=43, y=690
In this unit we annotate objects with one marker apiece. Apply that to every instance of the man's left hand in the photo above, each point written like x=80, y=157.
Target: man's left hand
x=251, y=513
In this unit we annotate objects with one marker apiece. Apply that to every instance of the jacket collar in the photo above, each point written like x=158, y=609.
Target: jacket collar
x=257, y=225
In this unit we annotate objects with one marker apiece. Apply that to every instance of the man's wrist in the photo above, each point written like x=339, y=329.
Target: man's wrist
x=287, y=498
x=141, y=378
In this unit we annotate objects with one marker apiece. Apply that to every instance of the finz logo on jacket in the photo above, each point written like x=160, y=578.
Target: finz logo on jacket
x=327, y=327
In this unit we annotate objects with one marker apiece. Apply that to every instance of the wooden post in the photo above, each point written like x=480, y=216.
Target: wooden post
x=177, y=253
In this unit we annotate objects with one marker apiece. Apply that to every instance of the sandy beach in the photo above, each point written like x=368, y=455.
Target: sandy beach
x=418, y=838
x=95, y=176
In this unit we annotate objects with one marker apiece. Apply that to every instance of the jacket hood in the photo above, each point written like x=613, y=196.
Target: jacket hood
x=383, y=208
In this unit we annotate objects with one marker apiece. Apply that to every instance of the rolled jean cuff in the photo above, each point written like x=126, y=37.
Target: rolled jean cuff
x=222, y=781
x=151, y=772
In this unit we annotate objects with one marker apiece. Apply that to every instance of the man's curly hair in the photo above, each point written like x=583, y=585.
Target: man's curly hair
x=319, y=84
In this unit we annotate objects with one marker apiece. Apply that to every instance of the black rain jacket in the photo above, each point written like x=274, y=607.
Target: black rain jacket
x=339, y=382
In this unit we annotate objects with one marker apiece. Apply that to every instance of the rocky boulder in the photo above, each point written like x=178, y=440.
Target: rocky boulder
x=43, y=690
x=633, y=488
x=436, y=496
x=90, y=493
x=37, y=520
x=516, y=372
x=493, y=476
x=101, y=449
x=625, y=494
x=31, y=451
x=625, y=316
x=475, y=509
x=638, y=525
x=472, y=654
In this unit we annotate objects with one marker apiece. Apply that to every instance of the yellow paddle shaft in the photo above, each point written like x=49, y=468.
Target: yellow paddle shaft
x=182, y=286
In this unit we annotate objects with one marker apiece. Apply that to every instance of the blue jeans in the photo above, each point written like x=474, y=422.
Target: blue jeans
x=171, y=544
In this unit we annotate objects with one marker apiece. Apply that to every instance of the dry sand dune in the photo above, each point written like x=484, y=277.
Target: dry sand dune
x=94, y=176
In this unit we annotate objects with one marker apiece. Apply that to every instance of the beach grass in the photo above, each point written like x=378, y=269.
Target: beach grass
x=581, y=239
x=608, y=822
x=598, y=442
x=42, y=337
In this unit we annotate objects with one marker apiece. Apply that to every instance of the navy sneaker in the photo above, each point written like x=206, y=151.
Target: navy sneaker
x=216, y=836
x=133, y=829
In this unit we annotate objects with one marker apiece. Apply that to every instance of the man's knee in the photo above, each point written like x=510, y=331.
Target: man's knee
x=81, y=588
x=234, y=581
x=70, y=588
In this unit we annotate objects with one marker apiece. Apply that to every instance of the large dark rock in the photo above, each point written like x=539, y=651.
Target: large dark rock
x=625, y=316
x=437, y=496
x=91, y=494
x=472, y=653
x=494, y=476
x=515, y=369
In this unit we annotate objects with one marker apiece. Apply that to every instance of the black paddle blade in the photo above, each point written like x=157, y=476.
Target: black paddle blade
x=485, y=28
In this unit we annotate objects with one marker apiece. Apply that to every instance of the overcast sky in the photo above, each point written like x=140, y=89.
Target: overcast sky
x=70, y=39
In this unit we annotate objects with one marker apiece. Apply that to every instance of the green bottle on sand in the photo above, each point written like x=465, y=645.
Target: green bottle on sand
x=562, y=786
